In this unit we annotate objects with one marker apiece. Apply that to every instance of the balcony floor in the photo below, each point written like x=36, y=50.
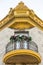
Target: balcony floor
x=22, y=56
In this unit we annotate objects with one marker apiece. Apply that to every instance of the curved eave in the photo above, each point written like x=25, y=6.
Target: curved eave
x=11, y=22
x=19, y=12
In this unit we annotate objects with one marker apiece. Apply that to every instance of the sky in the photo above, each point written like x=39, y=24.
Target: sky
x=36, y=5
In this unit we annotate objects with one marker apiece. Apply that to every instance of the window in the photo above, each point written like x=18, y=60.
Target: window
x=17, y=45
x=25, y=44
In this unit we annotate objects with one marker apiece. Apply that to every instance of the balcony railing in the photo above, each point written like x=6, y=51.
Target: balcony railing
x=22, y=42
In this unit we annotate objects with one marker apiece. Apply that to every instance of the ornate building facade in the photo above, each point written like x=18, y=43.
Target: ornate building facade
x=21, y=49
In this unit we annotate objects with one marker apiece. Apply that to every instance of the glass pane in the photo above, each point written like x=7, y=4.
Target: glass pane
x=33, y=46
x=10, y=47
x=25, y=44
x=17, y=45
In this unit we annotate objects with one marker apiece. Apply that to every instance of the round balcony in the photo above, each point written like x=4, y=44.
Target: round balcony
x=21, y=49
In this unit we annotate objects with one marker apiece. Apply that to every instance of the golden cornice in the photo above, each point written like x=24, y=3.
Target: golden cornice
x=19, y=13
